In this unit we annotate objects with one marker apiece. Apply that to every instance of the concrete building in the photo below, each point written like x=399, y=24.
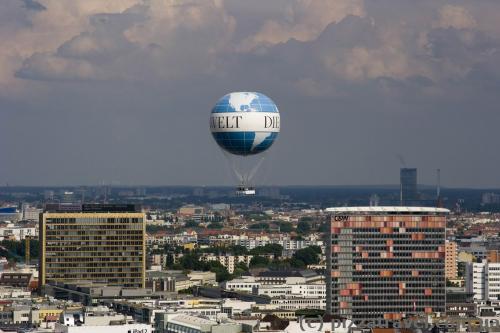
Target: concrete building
x=31, y=213
x=289, y=277
x=97, y=320
x=386, y=262
x=451, y=268
x=93, y=243
x=16, y=231
x=483, y=280
x=245, y=283
x=192, y=212
x=228, y=261
x=459, y=303
x=174, y=281
x=182, y=323
x=294, y=290
x=89, y=293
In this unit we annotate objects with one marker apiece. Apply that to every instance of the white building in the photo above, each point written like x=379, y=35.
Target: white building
x=294, y=303
x=245, y=283
x=96, y=320
x=31, y=213
x=182, y=323
x=228, y=261
x=17, y=232
x=296, y=290
x=483, y=280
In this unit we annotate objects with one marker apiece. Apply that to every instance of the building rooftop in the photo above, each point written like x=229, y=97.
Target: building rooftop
x=290, y=273
x=192, y=320
x=91, y=208
x=387, y=210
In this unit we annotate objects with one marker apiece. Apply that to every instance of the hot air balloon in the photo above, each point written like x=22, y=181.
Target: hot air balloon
x=245, y=125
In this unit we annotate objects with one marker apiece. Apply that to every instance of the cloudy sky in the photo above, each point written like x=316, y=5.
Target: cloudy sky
x=120, y=91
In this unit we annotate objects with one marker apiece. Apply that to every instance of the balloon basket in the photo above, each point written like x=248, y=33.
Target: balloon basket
x=243, y=191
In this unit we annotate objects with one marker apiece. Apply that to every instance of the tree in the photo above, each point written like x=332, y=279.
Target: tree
x=261, y=225
x=238, y=250
x=303, y=227
x=297, y=263
x=285, y=227
x=239, y=269
x=191, y=261
x=221, y=273
x=191, y=224
x=242, y=266
x=275, y=249
x=215, y=225
x=169, y=260
x=259, y=261
x=306, y=256
x=325, y=227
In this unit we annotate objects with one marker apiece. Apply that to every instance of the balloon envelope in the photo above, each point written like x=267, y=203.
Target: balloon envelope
x=245, y=123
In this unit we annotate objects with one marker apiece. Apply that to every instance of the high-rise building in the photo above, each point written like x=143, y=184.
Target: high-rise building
x=92, y=243
x=386, y=262
x=408, y=181
x=451, y=268
x=483, y=280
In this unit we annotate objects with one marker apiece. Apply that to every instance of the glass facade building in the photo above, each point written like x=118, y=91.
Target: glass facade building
x=409, y=192
x=386, y=262
x=94, y=244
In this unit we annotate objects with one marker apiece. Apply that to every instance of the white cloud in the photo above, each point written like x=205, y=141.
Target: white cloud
x=303, y=20
x=455, y=17
x=50, y=67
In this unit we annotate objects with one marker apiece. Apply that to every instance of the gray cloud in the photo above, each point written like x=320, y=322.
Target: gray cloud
x=33, y=5
x=125, y=95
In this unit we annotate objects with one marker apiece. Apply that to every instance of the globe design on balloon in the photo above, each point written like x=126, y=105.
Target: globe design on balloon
x=245, y=123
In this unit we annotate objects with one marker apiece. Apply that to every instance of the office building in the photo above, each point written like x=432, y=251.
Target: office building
x=451, y=268
x=92, y=243
x=408, y=181
x=483, y=280
x=386, y=262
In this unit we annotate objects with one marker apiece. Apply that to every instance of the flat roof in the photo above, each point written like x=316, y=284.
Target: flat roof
x=91, y=208
x=388, y=210
x=192, y=320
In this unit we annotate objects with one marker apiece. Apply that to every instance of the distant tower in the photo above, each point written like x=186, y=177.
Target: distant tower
x=374, y=200
x=408, y=194
x=68, y=197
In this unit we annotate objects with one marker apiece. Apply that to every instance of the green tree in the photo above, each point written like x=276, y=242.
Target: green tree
x=258, y=261
x=285, y=226
x=275, y=249
x=221, y=273
x=191, y=224
x=16, y=249
x=237, y=250
x=261, y=226
x=239, y=271
x=169, y=260
x=306, y=256
x=191, y=261
x=215, y=225
x=324, y=227
x=303, y=227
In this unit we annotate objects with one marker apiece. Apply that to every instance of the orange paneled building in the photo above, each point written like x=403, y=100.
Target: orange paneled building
x=386, y=261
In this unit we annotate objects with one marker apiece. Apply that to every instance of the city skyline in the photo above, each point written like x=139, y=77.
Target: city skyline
x=121, y=91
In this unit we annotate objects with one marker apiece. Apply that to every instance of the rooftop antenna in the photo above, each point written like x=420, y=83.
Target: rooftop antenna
x=403, y=165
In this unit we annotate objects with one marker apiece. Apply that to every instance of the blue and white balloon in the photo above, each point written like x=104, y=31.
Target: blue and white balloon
x=245, y=123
